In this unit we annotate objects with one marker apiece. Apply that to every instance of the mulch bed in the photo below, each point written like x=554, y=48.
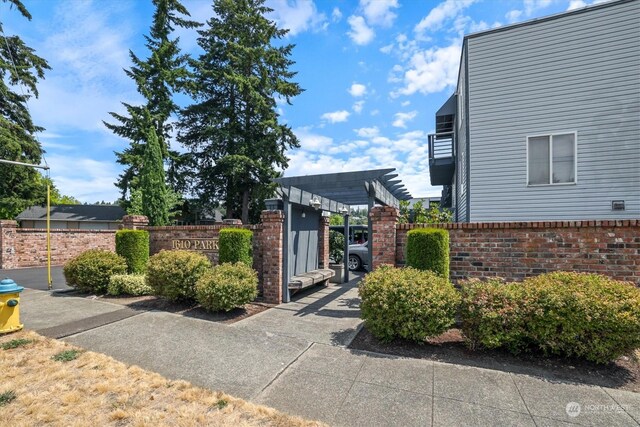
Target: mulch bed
x=449, y=347
x=149, y=302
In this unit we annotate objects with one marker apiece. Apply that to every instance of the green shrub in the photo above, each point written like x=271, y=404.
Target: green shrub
x=173, y=274
x=428, y=249
x=235, y=245
x=494, y=314
x=227, y=286
x=336, y=246
x=90, y=271
x=133, y=246
x=567, y=314
x=129, y=284
x=407, y=303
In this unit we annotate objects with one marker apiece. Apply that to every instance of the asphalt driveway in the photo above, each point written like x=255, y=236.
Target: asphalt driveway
x=36, y=277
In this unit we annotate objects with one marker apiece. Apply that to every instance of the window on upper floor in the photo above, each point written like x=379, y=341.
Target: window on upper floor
x=551, y=159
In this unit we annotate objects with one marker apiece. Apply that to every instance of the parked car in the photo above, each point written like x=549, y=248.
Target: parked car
x=358, y=234
x=358, y=256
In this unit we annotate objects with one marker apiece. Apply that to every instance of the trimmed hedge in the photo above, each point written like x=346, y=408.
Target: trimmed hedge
x=407, y=303
x=562, y=313
x=128, y=284
x=174, y=274
x=133, y=246
x=235, y=245
x=91, y=270
x=227, y=286
x=428, y=249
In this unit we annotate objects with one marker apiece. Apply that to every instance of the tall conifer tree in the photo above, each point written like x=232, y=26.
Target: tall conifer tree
x=155, y=203
x=157, y=78
x=233, y=132
x=20, y=186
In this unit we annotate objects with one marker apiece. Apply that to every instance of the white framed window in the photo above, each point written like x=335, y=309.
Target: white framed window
x=551, y=159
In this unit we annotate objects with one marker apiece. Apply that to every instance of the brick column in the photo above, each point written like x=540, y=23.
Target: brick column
x=323, y=242
x=272, y=257
x=134, y=222
x=383, y=243
x=8, y=230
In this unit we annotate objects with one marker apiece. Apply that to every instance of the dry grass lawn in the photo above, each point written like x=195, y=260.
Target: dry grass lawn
x=97, y=390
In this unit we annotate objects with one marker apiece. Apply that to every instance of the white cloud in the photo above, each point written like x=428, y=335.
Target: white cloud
x=531, y=6
x=431, y=71
x=312, y=141
x=358, y=106
x=513, y=15
x=401, y=119
x=379, y=12
x=297, y=16
x=375, y=112
x=442, y=13
x=576, y=4
x=360, y=33
x=336, y=116
x=357, y=90
x=387, y=49
x=336, y=15
x=405, y=103
x=86, y=179
x=367, y=132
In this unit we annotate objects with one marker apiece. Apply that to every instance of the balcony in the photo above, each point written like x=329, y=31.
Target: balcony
x=442, y=158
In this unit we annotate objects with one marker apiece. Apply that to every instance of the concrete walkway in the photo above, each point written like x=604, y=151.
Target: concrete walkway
x=293, y=358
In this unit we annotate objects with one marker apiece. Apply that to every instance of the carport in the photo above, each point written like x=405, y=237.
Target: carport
x=305, y=198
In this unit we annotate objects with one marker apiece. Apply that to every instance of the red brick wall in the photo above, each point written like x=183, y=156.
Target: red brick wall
x=271, y=239
x=323, y=242
x=27, y=247
x=382, y=243
x=162, y=238
x=515, y=250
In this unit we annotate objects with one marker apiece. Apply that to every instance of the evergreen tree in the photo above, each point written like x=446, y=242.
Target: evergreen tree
x=152, y=182
x=20, y=70
x=232, y=130
x=157, y=78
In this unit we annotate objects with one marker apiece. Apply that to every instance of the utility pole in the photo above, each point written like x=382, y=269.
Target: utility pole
x=45, y=167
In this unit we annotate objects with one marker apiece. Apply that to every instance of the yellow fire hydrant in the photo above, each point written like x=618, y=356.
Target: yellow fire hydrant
x=9, y=309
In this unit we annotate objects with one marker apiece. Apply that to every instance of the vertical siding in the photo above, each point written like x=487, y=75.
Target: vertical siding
x=577, y=72
x=461, y=144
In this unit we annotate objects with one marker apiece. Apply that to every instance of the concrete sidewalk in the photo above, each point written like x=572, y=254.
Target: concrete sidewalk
x=293, y=358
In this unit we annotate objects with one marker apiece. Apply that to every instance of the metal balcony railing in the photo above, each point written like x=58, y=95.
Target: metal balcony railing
x=441, y=145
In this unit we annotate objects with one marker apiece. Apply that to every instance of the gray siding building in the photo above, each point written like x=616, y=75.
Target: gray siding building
x=545, y=121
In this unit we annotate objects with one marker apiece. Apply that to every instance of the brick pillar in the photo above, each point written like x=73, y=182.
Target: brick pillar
x=323, y=242
x=272, y=257
x=133, y=222
x=383, y=243
x=8, y=230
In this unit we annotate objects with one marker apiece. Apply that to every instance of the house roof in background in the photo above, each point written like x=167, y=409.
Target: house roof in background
x=74, y=213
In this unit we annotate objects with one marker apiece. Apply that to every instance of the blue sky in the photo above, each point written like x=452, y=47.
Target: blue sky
x=374, y=73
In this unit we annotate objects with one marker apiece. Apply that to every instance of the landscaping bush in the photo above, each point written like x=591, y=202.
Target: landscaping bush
x=407, y=303
x=133, y=246
x=173, y=274
x=428, y=249
x=336, y=246
x=567, y=314
x=235, y=246
x=90, y=271
x=129, y=284
x=227, y=286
